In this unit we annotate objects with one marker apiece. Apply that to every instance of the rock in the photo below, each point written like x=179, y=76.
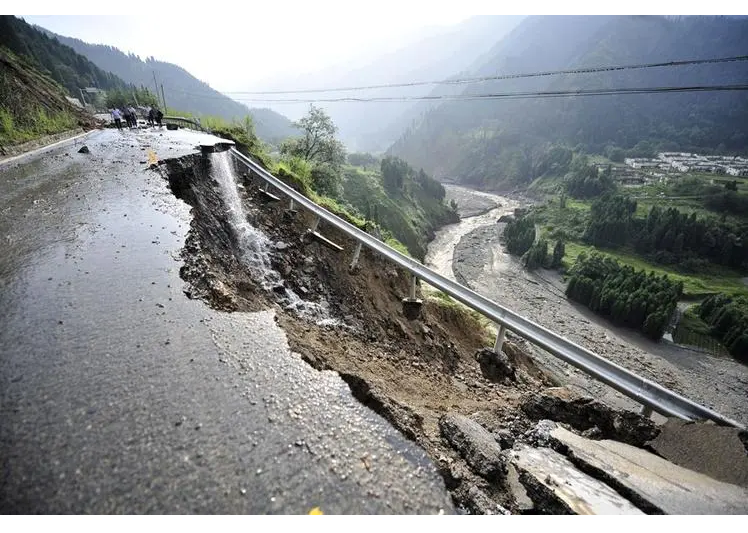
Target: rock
x=583, y=413
x=592, y=433
x=84, y=150
x=540, y=435
x=522, y=501
x=480, y=503
x=475, y=444
x=494, y=366
x=716, y=451
x=280, y=245
x=505, y=438
x=279, y=288
x=557, y=487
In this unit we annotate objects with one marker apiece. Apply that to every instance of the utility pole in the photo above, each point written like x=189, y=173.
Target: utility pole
x=155, y=83
x=163, y=97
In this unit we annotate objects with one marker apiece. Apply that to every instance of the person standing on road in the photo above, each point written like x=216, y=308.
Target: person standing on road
x=159, y=116
x=133, y=116
x=117, y=117
x=151, y=116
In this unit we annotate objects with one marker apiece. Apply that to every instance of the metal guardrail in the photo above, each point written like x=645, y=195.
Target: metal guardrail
x=651, y=395
x=182, y=121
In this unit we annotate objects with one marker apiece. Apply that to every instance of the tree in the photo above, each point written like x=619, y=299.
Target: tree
x=394, y=171
x=558, y=254
x=318, y=143
x=325, y=180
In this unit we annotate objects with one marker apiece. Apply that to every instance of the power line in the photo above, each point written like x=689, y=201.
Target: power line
x=511, y=95
x=507, y=76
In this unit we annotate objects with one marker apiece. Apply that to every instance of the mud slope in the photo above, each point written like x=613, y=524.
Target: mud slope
x=411, y=372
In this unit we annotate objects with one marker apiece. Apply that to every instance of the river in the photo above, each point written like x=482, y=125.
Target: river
x=471, y=252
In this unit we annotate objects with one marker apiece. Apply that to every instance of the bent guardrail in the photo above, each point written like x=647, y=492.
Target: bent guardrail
x=182, y=121
x=651, y=395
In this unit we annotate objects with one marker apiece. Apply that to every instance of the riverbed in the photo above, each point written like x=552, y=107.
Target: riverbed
x=471, y=252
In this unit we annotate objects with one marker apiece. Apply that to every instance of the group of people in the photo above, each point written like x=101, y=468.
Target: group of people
x=131, y=116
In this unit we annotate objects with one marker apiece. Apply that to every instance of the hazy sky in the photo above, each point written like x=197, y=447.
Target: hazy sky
x=235, y=53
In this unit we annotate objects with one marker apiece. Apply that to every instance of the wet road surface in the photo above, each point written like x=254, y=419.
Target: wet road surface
x=118, y=394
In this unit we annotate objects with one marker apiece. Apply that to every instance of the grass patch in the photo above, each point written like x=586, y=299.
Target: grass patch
x=445, y=300
x=33, y=125
x=694, y=286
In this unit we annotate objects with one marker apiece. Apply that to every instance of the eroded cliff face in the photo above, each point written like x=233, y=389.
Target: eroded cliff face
x=412, y=372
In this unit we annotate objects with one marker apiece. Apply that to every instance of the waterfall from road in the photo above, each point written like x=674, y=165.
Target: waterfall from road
x=254, y=246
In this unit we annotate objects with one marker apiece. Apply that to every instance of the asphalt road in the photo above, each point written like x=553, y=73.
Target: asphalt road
x=118, y=394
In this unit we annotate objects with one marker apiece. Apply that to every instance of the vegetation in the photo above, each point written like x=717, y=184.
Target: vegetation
x=50, y=57
x=499, y=145
x=667, y=236
x=317, y=143
x=585, y=181
x=123, y=97
x=709, y=281
x=727, y=317
x=519, y=234
x=32, y=104
x=408, y=203
x=629, y=297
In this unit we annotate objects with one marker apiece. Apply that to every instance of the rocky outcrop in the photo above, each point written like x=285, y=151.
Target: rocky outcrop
x=584, y=413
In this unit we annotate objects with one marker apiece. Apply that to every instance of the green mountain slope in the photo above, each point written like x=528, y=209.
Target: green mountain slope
x=50, y=57
x=496, y=143
x=32, y=104
x=183, y=90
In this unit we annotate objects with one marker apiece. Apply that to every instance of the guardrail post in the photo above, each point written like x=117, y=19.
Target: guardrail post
x=356, y=253
x=412, y=305
x=646, y=411
x=500, y=336
x=291, y=211
x=315, y=224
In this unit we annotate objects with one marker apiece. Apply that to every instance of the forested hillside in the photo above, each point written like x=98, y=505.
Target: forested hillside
x=50, y=57
x=183, y=91
x=32, y=104
x=497, y=143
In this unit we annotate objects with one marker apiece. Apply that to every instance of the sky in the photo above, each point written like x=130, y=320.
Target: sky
x=240, y=53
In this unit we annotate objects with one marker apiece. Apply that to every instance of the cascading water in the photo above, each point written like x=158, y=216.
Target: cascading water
x=254, y=246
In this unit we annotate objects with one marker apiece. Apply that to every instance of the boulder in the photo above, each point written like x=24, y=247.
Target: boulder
x=494, y=366
x=475, y=444
x=84, y=150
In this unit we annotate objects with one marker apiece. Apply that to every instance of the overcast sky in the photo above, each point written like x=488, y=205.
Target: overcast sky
x=259, y=49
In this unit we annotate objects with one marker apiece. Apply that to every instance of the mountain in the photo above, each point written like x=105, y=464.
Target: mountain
x=494, y=143
x=183, y=91
x=32, y=104
x=50, y=57
x=438, y=54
